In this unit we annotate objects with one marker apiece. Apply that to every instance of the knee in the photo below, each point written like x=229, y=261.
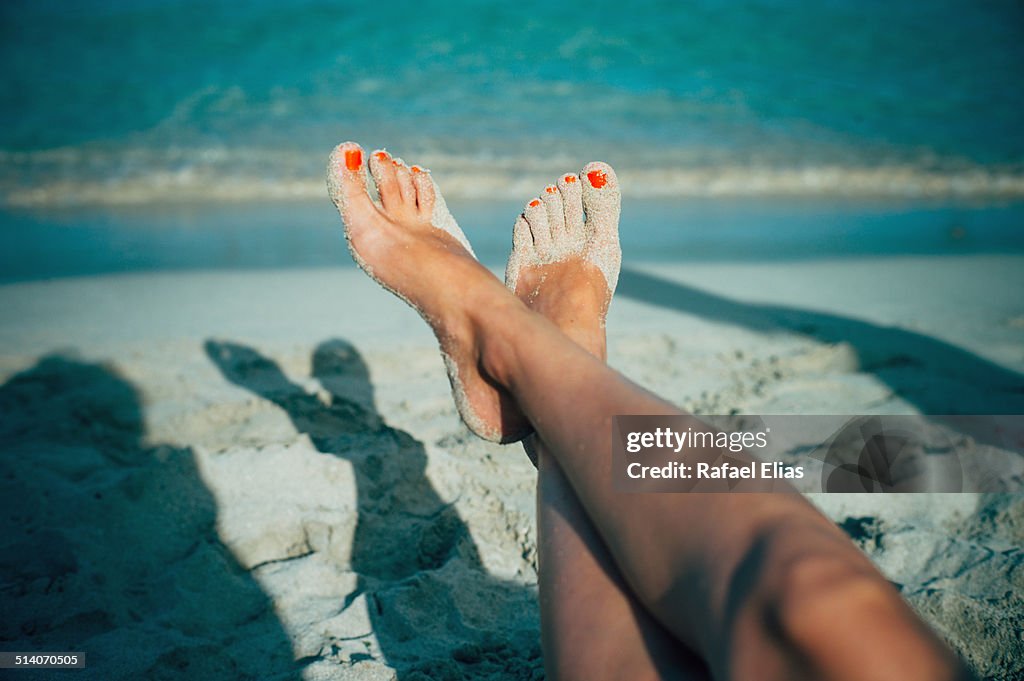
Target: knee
x=837, y=615
x=817, y=595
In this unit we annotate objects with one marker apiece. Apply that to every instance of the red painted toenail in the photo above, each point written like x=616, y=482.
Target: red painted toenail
x=398, y=164
x=534, y=203
x=569, y=179
x=416, y=169
x=381, y=155
x=551, y=189
x=353, y=159
x=597, y=178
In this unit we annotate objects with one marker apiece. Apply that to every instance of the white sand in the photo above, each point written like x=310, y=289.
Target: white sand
x=176, y=518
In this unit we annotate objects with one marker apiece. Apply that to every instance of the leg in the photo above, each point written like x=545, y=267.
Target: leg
x=409, y=198
x=592, y=627
x=761, y=586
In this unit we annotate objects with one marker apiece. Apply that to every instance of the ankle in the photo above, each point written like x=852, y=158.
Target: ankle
x=593, y=341
x=496, y=326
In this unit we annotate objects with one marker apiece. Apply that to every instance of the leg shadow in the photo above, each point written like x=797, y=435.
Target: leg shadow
x=109, y=544
x=417, y=563
x=935, y=376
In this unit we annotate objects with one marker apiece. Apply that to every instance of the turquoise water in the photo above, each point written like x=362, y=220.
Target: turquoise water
x=134, y=135
x=90, y=241
x=118, y=102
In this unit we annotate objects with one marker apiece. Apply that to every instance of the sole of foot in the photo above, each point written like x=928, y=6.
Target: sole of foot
x=408, y=242
x=566, y=256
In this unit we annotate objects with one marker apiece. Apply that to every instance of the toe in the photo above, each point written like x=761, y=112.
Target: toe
x=404, y=177
x=523, y=252
x=602, y=203
x=601, y=199
x=522, y=237
x=346, y=177
x=552, y=200
x=572, y=207
x=599, y=177
x=383, y=172
x=423, y=185
x=537, y=216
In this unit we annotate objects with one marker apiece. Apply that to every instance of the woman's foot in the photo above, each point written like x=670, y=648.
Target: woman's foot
x=409, y=244
x=565, y=253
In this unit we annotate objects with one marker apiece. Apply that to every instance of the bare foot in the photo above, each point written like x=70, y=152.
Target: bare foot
x=410, y=245
x=565, y=254
x=565, y=262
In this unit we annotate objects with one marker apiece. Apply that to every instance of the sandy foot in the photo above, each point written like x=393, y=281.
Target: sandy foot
x=409, y=244
x=565, y=253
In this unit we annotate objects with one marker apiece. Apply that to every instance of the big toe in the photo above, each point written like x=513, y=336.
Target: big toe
x=602, y=203
x=601, y=198
x=346, y=178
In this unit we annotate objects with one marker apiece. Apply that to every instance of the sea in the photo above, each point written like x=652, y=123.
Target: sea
x=168, y=134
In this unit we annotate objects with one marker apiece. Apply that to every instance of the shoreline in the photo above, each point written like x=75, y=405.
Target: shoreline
x=271, y=235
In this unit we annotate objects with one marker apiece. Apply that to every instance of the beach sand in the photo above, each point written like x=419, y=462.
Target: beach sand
x=212, y=475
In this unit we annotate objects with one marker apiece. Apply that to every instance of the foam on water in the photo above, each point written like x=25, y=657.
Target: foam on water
x=220, y=178
x=129, y=102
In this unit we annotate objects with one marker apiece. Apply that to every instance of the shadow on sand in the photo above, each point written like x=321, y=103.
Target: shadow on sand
x=935, y=376
x=435, y=611
x=109, y=545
